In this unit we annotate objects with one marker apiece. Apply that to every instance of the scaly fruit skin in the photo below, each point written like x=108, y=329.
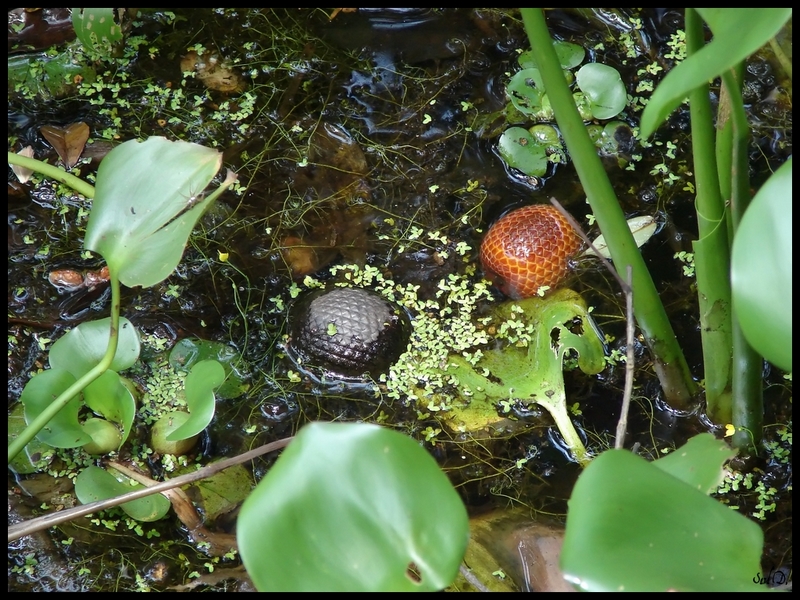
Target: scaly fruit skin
x=529, y=248
x=348, y=332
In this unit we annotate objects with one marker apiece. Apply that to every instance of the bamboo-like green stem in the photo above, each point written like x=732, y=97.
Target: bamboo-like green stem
x=670, y=363
x=747, y=402
x=76, y=183
x=16, y=446
x=712, y=249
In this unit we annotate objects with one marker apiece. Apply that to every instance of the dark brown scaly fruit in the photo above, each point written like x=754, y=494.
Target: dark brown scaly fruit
x=348, y=332
x=528, y=248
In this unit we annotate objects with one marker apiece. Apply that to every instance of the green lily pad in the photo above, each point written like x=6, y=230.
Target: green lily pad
x=81, y=348
x=521, y=150
x=604, y=89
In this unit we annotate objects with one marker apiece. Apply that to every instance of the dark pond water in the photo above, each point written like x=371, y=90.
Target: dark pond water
x=366, y=139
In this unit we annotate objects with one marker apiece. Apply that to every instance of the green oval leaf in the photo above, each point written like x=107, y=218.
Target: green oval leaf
x=351, y=507
x=632, y=526
x=761, y=270
x=569, y=55
x=521, y=150
x=604, y=89
x=63, y=430
x=94, y=483
x=81, y=348
x=525, y=91
x=148, y=197
x=202, y=380
x=109, y=396
x=189, y=351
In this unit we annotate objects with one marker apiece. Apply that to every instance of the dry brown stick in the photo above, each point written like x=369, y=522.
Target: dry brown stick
x=18, y=530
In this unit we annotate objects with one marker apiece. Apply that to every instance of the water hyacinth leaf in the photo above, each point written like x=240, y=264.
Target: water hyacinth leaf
x=26, y=461
x=202, y=380
x=626, y=511
x=148, y=198
x=81, y=348
x=96, y=28
x=94, y=483
x=761, y=269
x=372, y=498
x=189, y=351
x=63, y=430
x=604, y=89
x=111, y=397
x=642, y=228
x=699, y=462
x=738, y=33
x=105, y=436
x=520, y=150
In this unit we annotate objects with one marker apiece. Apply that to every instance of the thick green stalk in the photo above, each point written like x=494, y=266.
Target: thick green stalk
x=670, y=364
x=712, y=249
x=77, y=184
x=747, y=403
x=16, y=446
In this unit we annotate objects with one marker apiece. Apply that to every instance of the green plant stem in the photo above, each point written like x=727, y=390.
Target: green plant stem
x=77, y=184
x=670, y=363
x=712, y=249
x=747, y=402
x=16, y=446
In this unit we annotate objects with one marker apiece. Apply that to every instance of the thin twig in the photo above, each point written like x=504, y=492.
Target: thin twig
x=622, y=424
x=472, y=579
x=40, y=523
x=627, y=289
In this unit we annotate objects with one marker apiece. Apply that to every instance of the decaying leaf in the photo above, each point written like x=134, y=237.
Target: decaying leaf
x=642, y=229
x=23, y=173
x=68, y=142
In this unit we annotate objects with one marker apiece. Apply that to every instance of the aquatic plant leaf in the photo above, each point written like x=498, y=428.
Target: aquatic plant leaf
x=353, y=507
x=698, y=462
x=81, y=348
x=761, y=269
x=189, y=351
x=202, y=380
x=569, y=55
x=632, y=526
x=148, y=198
x=109, y=396
x=63, y=430
x=642, y=228
x=603, y=86
x=97, y=29
x=525, y=90
x=530, y=373
x=738, y=33
x=522, y=151
x=24, y=463
x=93, y=484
